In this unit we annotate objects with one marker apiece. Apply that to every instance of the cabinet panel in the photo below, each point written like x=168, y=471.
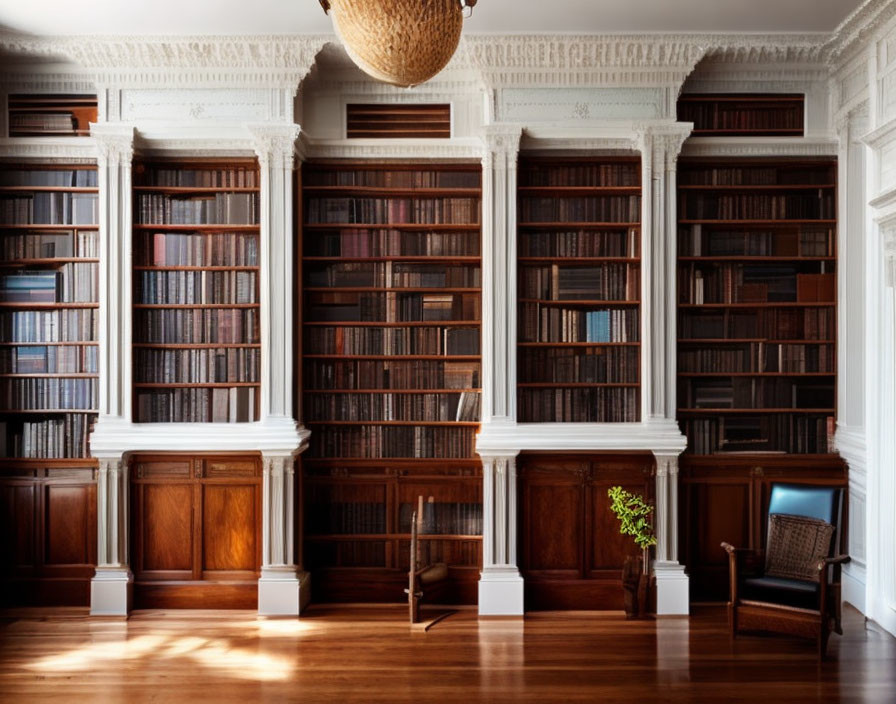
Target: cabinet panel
x=229, y=527
x=17, y=549
x=553, y=515
x=70, y=527
x=167, y=527
x=609, y=546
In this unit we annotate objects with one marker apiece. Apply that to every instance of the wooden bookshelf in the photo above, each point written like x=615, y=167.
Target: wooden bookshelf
x=391, y=308
x=51, y=115
x=743, y=114
x=757, y=305
x=49, y=362
x=579, y=286
x=197, y=351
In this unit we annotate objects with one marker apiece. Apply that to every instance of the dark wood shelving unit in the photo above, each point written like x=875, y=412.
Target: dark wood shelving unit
x=51, y=115
x=579, y=289
x=391, y=307
x=743, y=114
x=197, y=353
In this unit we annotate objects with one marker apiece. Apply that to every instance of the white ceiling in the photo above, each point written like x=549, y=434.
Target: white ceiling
x=500, y=16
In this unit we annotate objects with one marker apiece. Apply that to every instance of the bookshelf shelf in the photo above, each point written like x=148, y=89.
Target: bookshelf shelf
x=49, y=243
x=578, y=266
x=390, y=371
x=196, y=291
x=743, y=114
x=51, y=115
x=756, y=306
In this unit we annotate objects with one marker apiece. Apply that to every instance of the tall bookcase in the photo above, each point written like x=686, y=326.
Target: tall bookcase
x=49, y=241
x=579, y=289
x=756, y=349
x=391, y=302
x=743, y=114
x=757, y=304
x=196, y=291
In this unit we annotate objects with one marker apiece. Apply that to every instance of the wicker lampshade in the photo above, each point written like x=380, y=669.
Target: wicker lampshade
x=402, y=42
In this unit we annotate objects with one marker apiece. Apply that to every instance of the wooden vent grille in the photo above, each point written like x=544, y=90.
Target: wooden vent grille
x=743, y=115
x=45, y=115
x=398, y=121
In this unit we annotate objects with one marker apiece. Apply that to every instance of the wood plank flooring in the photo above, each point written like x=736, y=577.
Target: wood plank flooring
x=370, y=654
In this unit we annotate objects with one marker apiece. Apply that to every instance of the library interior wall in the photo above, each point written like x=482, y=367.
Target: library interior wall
x=247, y=97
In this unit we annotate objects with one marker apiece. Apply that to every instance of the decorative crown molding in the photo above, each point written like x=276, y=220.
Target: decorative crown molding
x=858, y=28
x=263, y=60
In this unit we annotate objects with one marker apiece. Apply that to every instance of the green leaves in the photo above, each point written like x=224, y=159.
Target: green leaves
x=633, y=514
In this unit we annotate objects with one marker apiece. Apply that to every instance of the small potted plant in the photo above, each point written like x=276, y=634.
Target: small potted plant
x=634, y=513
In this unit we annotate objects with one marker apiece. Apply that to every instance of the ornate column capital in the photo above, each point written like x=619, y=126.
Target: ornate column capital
x=501, y=144
x=888, y=233
x=662, y=142
x=275, y=145
x=114, y=142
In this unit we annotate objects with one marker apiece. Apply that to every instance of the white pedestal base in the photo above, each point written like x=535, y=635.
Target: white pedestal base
x=500, y=592
x=672, y=598
x=111, y=592
x=283, y=591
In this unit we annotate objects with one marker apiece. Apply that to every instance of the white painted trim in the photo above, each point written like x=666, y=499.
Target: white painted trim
x=662, y=436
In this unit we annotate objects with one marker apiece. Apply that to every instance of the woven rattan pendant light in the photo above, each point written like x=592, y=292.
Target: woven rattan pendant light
x=402, y=42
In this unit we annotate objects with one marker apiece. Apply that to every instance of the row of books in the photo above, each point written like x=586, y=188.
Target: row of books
x=597, y=365
x=392, y=306
x=389, y=374
x=55, y=178
x=198, y=366
x=70, y=283
x=591, y=405
x=582, y=209
x=379, y=441
x=743, y=283
x=393, y=274
x=741, y=116
x=224, y=177
x=393, y=210
x=703, y=241
x=605, y=282
x=539, y=323
x=768, y=324
x=218, y=405
x=49, y=359
x=424, y=407
x=197, y=249
x=24, y=123
x=581, y=243
x=49, y=392
x=60, y=436
x=783, y=175
x=758, y=206
x=220, y=209
x=442, y=517
x=369, y=242
x=607, y=174
x=801, y=433
x=345, y=518
x=74, y=325
x=196, y=326
x=49, y=245
x=350, y=553
x=456, y=553
x=759, y=357
x=392, y=179
x=185, y=287
x=752, y=392
x=422, y=340
x=53, y=208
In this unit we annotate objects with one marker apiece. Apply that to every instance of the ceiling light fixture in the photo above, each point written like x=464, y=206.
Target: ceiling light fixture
x=402, y=42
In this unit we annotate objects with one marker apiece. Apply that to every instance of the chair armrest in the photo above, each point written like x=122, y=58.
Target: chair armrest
x=837, y=560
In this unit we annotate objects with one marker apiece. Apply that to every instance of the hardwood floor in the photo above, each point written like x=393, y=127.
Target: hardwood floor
x=371, y=654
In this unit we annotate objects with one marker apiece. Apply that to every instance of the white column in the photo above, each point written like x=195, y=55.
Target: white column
x=500, y=584
x=499, y=308
x=115, y=151
x=112, y=585
x=660, y=147
x=284, y=587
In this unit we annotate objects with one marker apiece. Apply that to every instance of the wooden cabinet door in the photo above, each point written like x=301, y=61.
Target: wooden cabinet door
x=229, y=535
